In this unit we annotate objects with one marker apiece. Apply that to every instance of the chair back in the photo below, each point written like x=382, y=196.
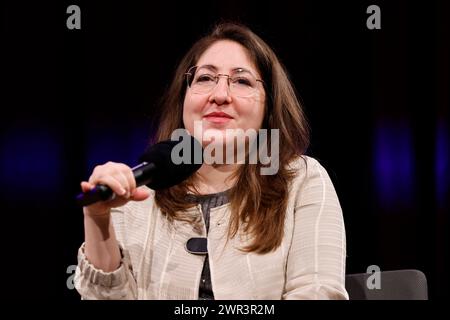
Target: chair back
x=394, y=285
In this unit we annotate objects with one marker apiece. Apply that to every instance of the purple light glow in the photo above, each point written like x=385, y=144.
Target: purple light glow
x=394, y=164
x=442, y=162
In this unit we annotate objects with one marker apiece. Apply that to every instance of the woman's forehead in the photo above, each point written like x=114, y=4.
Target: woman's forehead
x=227, y=56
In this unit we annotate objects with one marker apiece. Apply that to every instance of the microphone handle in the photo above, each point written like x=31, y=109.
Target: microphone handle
x=101, y=192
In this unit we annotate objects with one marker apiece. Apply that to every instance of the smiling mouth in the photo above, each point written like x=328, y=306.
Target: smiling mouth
x=217, y=119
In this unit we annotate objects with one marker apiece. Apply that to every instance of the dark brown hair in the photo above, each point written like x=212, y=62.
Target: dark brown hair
x=258, y=202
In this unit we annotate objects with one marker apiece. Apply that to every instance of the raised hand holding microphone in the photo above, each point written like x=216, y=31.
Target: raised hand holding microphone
x=101, y=245
x=114, y=184
x=120, y=179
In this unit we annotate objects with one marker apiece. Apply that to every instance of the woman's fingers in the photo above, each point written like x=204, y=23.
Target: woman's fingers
x=129, y=176
x=115, y=185
x=120, y=179
x=86, y=186
x=120, y=173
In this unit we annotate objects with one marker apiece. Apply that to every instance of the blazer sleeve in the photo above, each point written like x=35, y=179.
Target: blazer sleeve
x=316, y=258
x=95, y=284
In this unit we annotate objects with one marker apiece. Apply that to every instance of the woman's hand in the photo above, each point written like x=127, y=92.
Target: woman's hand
x=120, y=179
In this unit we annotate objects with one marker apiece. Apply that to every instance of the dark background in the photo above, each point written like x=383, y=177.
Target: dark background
x=377, y=101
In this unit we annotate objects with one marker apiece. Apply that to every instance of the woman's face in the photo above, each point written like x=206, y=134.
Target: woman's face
x=232, y=111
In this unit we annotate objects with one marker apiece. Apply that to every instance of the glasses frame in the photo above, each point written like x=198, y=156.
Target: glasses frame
x=189, y=73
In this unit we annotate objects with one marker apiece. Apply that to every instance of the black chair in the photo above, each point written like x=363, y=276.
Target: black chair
x=395, y=285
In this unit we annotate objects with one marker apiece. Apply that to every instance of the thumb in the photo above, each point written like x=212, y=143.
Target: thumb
x=140, y=194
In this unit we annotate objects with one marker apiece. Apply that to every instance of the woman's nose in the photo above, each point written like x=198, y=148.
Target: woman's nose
x=221, y=92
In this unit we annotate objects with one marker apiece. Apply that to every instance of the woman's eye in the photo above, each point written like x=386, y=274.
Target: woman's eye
x=242, y=81
x=205, y=78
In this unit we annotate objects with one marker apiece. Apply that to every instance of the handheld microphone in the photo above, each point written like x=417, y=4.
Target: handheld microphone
x=157, y=169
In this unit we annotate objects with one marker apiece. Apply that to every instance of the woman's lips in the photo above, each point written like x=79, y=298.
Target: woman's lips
x=216, y=119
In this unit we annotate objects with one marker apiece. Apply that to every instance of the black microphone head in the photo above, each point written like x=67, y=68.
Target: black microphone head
x=174, y=160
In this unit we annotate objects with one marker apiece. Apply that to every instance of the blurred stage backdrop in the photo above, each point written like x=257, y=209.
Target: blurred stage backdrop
x=377, y=101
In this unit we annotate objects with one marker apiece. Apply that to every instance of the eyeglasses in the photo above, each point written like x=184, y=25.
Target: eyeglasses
x=242, y=83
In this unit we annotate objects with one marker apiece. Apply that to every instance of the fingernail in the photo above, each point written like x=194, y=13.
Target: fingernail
x=123, y=192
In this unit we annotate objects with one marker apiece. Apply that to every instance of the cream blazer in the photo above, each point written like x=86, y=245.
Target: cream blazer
x=309, y=263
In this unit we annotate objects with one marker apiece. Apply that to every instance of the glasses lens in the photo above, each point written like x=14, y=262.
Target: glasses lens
x=243, y=84
x=203, y=80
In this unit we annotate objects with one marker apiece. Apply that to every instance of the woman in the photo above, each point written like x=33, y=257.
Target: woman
x=267, y=236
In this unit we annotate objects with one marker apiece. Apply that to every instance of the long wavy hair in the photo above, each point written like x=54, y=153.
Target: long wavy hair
x=258, y=202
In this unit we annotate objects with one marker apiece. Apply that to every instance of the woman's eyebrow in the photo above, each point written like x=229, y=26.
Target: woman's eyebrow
x=236, y=69
x=209, y=66
x=241, y=69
